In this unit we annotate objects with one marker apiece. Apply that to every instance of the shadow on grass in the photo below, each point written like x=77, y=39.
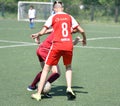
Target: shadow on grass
x=61, y=90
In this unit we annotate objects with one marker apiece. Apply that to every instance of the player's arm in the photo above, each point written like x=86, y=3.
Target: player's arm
x=83, y=35
x=36, y=35
x=75, y=25
x=42, y=32
x=44, y=29
x=74, y=31
x=77, y=39
x=48, y=31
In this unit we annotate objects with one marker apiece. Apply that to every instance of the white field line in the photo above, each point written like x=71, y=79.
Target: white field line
x=15, y=42
x=89, y=39
x=100, y=38
x=93, y=47
x=17, y=45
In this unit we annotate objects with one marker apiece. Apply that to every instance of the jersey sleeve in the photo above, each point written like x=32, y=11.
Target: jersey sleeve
x=48, y=23
x=74, y=23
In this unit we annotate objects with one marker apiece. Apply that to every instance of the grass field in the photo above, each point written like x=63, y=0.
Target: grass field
x=96, y=67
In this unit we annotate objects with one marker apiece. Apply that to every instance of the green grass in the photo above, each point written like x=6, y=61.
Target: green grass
x=96, y=67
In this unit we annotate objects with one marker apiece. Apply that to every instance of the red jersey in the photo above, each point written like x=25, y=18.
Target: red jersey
x=62, y=23
x=44, y=47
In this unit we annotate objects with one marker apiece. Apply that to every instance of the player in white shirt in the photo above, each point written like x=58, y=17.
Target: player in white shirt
x=31, y=16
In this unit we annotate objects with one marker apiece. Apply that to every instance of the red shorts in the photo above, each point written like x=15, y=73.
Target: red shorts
x=42, y=54
x=54, y=56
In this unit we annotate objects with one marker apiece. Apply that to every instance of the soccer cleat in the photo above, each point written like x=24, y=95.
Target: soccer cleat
x=70, y=94
x=30, y=88
x=36, y=96
x=47, y=95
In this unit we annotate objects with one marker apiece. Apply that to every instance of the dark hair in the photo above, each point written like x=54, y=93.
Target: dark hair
x=58, y=2
x=32, y=6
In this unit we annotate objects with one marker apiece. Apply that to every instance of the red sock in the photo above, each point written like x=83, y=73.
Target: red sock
x=36, y=79
x=53, y=77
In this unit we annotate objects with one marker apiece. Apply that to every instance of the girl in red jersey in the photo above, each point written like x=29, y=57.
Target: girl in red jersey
x=42, y=52
x=61, y=46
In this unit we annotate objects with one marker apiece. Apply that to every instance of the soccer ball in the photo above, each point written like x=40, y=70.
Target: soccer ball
x=46, y=88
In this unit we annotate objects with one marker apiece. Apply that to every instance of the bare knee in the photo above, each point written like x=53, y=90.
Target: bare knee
x=68, y=67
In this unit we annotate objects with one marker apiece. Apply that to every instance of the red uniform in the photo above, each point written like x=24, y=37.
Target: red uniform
x=62, y=41
x=44, y=47
x=42, y=52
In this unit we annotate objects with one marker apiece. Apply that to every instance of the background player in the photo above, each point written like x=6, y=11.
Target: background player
x=31, y=16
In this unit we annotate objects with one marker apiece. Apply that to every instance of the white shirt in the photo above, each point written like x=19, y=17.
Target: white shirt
x=31, y=13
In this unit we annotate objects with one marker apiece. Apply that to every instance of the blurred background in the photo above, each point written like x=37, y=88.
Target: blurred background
x=82, y=10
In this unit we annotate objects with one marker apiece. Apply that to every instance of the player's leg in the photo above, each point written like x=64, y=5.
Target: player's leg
x=69, y=91
x=30, y=24
x=67, y=59
x=33, y=85
x=68, y=75
x=44, y=74
x=55, y=74
x=51, y=60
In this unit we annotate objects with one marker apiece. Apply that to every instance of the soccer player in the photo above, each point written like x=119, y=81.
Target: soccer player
x=62, y=46
x=42, y=52
x=31, y=16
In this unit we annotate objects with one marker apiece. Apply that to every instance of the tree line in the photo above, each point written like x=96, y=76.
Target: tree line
x=70, y=6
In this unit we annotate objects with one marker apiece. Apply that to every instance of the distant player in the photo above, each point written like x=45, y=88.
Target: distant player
x=31, y=16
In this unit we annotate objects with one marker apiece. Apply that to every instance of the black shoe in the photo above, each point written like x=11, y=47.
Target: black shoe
x=70, y=94
x=47, y=95
x=30, y=88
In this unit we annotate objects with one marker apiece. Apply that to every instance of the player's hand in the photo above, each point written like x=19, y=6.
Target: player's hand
x=34, y=35
x=36, y=38
x=83, y=42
